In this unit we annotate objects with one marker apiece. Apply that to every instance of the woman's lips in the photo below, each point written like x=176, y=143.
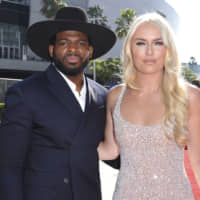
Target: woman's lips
x=149, y=61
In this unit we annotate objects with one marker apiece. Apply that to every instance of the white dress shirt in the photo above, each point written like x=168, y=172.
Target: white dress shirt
x=81, y=98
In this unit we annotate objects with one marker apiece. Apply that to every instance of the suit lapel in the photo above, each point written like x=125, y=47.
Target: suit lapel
x=60, y=89
x=91, y=99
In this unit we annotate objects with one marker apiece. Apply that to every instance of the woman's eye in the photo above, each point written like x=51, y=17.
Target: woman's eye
x=159, y=43
x=140, y=43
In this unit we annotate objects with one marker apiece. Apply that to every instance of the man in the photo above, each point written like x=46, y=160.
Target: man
x=54, y=120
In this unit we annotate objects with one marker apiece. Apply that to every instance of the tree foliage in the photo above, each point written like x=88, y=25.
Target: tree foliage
x=1, y=108
x=123, y=22
x=50, y=7
x=192, y=61
x=96, y=16
x=188, y=74
x=108, y=71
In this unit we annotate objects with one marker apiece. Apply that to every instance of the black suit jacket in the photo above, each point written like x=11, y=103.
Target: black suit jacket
x=47, y=144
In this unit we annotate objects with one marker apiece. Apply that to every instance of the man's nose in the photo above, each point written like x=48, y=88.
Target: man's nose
x=73, y=47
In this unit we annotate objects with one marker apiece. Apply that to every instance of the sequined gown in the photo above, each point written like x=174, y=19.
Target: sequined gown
x=152, y=167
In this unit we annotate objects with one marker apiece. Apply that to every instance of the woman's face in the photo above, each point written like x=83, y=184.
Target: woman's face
x=148, y=49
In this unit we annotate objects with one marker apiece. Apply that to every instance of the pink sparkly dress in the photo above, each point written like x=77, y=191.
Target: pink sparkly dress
x=152, y=167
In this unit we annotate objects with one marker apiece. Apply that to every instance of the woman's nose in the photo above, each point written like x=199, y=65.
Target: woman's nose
x=149, y=49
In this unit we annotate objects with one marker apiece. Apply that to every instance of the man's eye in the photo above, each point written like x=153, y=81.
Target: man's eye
x=63, y=43
x=82, y=43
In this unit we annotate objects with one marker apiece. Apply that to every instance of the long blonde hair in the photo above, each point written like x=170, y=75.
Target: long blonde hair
x=173, y=89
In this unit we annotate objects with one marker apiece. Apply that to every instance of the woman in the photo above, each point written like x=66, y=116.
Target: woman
x=152, y=117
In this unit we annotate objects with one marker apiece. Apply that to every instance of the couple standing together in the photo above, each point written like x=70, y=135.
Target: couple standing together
x=55, y=126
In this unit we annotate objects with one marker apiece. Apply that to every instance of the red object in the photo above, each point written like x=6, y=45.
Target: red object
x=188, y=168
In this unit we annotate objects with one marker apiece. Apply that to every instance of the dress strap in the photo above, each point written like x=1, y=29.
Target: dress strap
x=118, y=103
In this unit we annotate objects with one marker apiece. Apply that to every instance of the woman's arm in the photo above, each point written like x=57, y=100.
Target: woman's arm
x=109, y=148
x=194, y=132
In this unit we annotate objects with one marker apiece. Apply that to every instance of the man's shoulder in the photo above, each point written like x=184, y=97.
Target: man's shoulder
x=96, y=85
x=33, y=81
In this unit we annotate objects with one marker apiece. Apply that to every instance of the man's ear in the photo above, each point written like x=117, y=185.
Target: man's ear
x=90, y=51
x=51, y=47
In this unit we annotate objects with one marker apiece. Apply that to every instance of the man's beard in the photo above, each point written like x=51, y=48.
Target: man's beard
x=70, y=71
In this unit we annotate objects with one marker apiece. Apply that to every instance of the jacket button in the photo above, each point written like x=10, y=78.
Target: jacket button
x=66, y=181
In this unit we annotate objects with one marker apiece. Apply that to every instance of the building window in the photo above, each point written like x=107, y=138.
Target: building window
x=9, y=52
x=12, y=39
x=5, y=52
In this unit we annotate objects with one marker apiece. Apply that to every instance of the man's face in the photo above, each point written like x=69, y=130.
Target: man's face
x=71, y=52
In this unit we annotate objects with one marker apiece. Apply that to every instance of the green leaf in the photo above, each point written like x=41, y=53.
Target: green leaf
x=50, y=7
x=123, y=22
x=96, y=16
x=107, y=71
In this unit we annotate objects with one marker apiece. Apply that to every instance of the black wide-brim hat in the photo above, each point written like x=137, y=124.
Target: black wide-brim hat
x=69, y=18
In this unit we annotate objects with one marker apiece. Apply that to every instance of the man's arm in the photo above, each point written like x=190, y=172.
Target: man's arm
x=15, y=130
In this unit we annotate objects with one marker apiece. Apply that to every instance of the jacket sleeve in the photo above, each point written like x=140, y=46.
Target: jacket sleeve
x=113, y=163
x=15, y=131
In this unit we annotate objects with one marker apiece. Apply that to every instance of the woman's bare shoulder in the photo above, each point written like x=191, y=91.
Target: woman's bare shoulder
x=194, y=99
x=194, y=94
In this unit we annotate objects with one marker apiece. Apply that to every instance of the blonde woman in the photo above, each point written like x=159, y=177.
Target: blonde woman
x=152, y=117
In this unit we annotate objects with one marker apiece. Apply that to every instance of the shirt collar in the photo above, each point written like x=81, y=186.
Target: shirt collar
x=72, y=85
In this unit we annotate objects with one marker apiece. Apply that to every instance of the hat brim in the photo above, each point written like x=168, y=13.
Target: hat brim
x=39, y=34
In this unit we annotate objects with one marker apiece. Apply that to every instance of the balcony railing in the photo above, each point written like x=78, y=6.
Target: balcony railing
x=9, y=52
x=10, y=44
